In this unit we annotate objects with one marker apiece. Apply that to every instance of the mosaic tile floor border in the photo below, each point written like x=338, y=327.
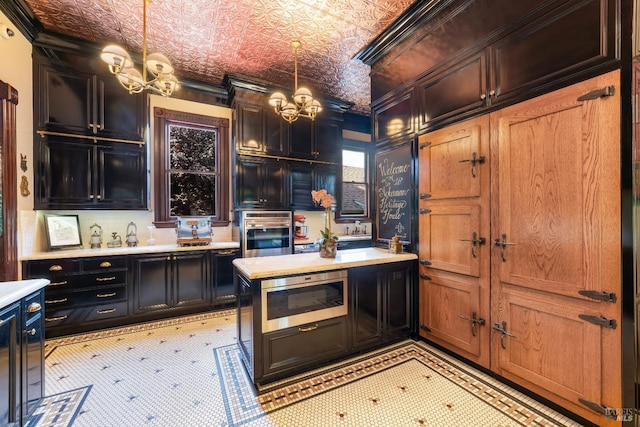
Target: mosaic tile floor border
x=520, y=409
x=59, y=410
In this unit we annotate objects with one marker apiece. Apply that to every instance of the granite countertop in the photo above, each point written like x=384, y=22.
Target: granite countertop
x=283, y=265
x=11, y=292
x=125, y=250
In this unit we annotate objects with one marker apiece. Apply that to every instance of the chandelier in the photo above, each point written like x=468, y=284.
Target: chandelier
x=303, y=104
x=120, y=64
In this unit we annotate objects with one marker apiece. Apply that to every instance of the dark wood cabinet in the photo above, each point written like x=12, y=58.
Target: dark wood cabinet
x=84, y=294
x=380, y=303
x=490, y=54
x=304, y=346
x=260, y=130
x=21, y=358
x=10, y=364
x=306, y=177
x=223, y=289
x=76, y=101
x=170, y=281
x=260, y=182
x=74, y=173
x=320, y=139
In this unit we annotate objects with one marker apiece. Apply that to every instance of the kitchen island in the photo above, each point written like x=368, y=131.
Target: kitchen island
x=298, y=312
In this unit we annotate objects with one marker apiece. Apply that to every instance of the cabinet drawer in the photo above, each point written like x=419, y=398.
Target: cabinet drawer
x=52, y=268
x=104, y=263
x=104, y=278
x=76, y=316
x=293, y=348
x=58, y=300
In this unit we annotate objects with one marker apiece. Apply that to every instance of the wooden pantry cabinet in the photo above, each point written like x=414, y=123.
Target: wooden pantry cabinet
x=519, y=244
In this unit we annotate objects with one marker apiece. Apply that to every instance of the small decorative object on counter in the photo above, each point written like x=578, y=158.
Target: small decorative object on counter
x=193, y=231
x=95, y=241
x=132, y=230
x=329, y=242
x=395, y=246
x=116, y=241
x=152, y=240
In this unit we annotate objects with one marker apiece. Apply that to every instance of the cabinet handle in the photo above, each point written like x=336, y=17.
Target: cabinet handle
x=91, y=196
x=492, y=93
x=502, y=245
x=99, y=197
x=54, y=301
x=168, y=258
x=105, y=264
x=55, y=319
x=105, y=279
x=64, y=282
x=106, y=295
x=55, y=267
x=483, y=96
x=34, y=307
x=225, y=253
x=111, y=310
x=31, y=332
x=309, y=329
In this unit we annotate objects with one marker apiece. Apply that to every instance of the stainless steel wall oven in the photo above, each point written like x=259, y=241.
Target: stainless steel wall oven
x=266, y=233
x=304, y=299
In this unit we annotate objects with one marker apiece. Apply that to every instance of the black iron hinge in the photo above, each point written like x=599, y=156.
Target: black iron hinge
x=424, y=145
x=599, y=93
x=425, y=211
x=610, y=413
x=424, y=196
x=425, y=262
x=601, y=296
x=424, y=276
x=600, y=321
x=424, y=327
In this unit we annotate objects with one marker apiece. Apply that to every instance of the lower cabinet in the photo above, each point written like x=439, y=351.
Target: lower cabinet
x=380, y=304
x=93, y=293
x=304, y=345
x=222, y=270
x=83, y=293
x=170, y=280
x=21, y=359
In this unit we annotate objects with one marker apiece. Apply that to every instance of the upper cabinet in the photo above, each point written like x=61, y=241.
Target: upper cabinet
x=483, y=55
x=260, y=131
x=73, y=100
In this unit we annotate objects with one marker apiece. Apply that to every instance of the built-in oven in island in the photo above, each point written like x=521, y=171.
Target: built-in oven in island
x=265, y=233
x=291, y=323
x=303, y=300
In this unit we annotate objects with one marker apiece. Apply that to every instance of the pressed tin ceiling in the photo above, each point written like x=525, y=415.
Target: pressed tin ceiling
x=206, y=39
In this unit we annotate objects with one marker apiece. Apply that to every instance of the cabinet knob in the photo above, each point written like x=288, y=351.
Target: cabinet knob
x=492, y=93
x=99, y=197
x=91, y=196
x=34, y=307
x=483, y=96
x=31, y=332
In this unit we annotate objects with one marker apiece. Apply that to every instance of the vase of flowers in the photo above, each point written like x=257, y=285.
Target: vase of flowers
x=329, y=242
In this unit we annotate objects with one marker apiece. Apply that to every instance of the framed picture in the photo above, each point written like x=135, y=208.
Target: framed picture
x=63, y=231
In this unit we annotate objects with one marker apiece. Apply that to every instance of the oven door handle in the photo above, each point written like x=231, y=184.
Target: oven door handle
x=269, y=225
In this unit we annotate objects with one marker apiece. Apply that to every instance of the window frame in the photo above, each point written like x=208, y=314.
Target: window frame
x=346, y=218
x=163, y=119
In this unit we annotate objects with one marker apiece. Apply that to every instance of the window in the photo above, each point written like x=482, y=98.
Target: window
x=191, y=167
x=354, y=193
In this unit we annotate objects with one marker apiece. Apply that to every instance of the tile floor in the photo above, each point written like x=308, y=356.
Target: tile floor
x=187, y=372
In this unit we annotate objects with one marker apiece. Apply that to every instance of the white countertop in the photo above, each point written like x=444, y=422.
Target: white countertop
x=284, y=265
x=125, y=250
x=11, y=292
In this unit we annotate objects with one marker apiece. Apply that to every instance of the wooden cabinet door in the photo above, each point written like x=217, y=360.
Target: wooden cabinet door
x=453, y=235
x=556, y=233
x=10, y=328
x=122, y=178
x=119, y=113
x=152, y=283
x=191, y=279
x=65, y=174
x=65, y=99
